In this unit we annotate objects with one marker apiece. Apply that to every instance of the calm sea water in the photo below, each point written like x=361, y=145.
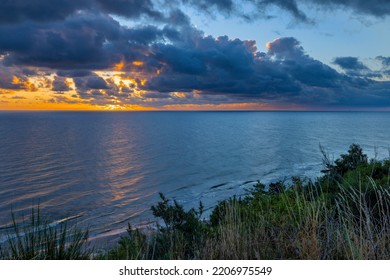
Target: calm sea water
x=106, y=169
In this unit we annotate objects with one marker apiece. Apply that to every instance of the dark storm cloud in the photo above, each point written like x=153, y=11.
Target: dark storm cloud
x=234, y=66
x=130, y=8
x=235, y=70
x=96, y=83
x=202, y=63
x=90, y=82
x=144, y=35
x=12, y=11
x=74, y=73
x=217, y=66
x=349, y=63
x=59, y=84
x=82, y=41
x=78, y=40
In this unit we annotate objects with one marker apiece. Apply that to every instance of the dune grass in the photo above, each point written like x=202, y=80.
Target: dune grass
x=36, y=239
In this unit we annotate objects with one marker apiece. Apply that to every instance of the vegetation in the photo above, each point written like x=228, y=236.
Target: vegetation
x=344, y=214
x=38, y=240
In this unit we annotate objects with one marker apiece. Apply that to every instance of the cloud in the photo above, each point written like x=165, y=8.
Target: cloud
x=60, y=84
x=235, y=70
x=7, y=79
x=349, y=63
x=222, y=65
x=353, y=67
x=161, y=58
x=82, y=41
x=48, y=10
x=74, y=73
x=130, y=8
x=385, y=61
x=289, y=5
x=285, y=48
x=378, y=8
x=15, y=79
x=210, y=6
x=43, y=11
x=96, y=82
x=259, y=8
x=91, y=82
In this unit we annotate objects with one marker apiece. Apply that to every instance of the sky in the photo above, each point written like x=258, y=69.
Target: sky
x=194, y=55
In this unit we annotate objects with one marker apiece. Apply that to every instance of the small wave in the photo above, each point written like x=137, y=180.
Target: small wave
x=219, y=185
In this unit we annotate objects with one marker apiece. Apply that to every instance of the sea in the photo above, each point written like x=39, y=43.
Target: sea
x=103, y=170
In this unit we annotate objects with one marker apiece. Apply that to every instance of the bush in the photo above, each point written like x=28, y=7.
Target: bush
x=132, y=247
x=347, y=162
x=182, y=232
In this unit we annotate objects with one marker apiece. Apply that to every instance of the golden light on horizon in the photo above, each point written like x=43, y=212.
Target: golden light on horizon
x=125, y=88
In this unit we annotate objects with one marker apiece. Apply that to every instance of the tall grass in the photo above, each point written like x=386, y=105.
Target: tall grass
x=36, y=239
x=356, y=225
x=364, y=219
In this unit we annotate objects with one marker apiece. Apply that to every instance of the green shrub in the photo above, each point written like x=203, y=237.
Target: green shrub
x=182, y=232
x=347, y=162
x=131, y=247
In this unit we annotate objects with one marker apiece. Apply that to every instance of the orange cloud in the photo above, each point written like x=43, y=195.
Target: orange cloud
x=24, y=84
x=119, y=66
x=138, y=63
x=15, y=80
